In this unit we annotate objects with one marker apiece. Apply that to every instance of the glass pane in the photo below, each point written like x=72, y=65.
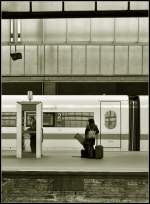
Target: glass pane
x=31, y=60
x=110, y=119
x=17, y=66
x=50, y=60
x=135, y=60
x=64, y=60
x=102, y=29
x=48, y=119
x=92, y=59
x=72, y=120
x=5, y=30
x=78, y=59
x=46, y=5
x=121, y=59
x=112, y=5
x=139, y=5
x=145, y=60
x=31, y=30
x=78, y=29
x=15, y=5
x=107, y=60
x=54, y=30
x=126, y=29
x=8, y=119
x=5, y=60
x=79, y=6
x=143, y=30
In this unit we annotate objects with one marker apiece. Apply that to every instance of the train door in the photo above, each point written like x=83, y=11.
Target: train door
x=110, y=124
x=134, y=123
x=26, y=111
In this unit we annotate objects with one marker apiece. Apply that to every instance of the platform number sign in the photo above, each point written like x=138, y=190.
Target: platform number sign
x=59, y=120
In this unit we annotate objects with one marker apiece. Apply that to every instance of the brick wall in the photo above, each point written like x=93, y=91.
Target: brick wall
x=81, y=187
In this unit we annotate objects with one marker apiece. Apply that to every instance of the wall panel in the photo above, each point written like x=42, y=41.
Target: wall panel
x=17, y=67
x=135, y=60
x=107, y=60
x=30, y=60
x=15, y=5
x=111, y=5
x=78, y=29
x=78, y=59
x=145, y=60
x=102, y=29
x=79, y=6
x=31, y=30
x=5, y=30
x=143, y=30
x=64, y=60
x=50, y=60
x=54, y=30
x=46, y=5
x=93, y=59
x=121, y=59
x=138, y=5
x=5, y=63
x=126, y=29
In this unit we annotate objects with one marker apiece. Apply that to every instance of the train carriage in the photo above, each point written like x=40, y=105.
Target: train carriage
x=66, y=115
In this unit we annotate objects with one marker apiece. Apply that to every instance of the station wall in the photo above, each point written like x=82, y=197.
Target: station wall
x=97, y=46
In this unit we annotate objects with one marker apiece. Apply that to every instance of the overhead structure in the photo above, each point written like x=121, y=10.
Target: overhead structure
x=95, y=13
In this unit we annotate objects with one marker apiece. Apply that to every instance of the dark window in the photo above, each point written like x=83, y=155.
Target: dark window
x=21, y=88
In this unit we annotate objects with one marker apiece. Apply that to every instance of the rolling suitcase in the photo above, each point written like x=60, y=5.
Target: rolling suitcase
x=99, y=151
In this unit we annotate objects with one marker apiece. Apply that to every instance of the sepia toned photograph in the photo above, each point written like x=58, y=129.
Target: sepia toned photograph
x=74, y=101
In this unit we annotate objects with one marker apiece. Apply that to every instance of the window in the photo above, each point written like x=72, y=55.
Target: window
x=72, y=119
x=110, y=119
x=60, y=119
x=8, y=119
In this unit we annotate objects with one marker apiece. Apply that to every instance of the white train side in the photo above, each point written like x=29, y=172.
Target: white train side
x=110, y=112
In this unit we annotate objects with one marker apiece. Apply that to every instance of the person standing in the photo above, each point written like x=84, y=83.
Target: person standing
x=91, y=132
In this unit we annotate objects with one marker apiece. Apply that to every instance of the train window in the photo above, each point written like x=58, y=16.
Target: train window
x=72, y=119
x=8, y=119
x=110, y=119
x=48, y=119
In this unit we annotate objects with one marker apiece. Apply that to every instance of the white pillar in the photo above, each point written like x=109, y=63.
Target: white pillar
x=38, y=130
x=19, y=131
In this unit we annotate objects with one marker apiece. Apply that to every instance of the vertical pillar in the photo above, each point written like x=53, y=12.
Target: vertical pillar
x=38, y=130
x=19, y=131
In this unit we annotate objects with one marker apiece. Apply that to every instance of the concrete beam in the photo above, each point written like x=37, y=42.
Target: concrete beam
x=118, y=78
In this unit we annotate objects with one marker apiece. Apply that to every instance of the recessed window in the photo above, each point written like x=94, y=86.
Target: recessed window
x=110, y=119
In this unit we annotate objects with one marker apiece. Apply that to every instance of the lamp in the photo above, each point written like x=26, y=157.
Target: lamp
x=16, y=55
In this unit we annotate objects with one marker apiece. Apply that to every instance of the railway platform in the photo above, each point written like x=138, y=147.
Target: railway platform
x=65, y=177
x=71, y=161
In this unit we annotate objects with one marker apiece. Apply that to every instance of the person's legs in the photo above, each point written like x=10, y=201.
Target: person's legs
x=33, y=143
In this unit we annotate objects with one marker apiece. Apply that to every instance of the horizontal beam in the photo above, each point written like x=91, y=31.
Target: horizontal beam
x=72, y=43
x=75, y=14
x=125, y=78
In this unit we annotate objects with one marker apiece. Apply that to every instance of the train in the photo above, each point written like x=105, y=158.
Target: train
x=122, y=121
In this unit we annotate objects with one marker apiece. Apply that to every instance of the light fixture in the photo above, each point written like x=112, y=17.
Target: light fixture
x=16, y=55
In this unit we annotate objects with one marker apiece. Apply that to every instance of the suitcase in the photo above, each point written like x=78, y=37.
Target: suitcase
x=99, y=151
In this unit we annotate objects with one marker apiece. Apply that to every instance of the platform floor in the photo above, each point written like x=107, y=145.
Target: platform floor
x=61, y=161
